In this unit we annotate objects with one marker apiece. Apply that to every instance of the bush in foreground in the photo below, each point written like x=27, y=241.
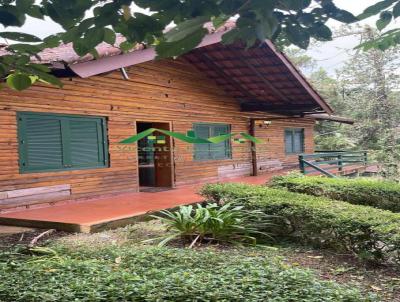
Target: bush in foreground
x=213, y=223
x=363, y=191
x=370, y=233
x=163, y=274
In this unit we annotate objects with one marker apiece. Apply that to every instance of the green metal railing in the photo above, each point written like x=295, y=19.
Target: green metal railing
x=331, y=163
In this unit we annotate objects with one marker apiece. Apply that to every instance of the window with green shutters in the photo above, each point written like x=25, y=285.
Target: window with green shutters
x=212, y=151
x=51, y=142
x=294, y=141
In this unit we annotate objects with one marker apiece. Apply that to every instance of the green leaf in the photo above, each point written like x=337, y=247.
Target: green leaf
x=321, y=32
x=384, y=20
x=295, y=4
x=10, y=16
x=17, y=36
x=93, y=37
x=3, y=70
x=35, y=12
x=267, y=27
x=19, y=81
x=344, y=16
x=186, y=28
x=25, y=48
x=109, y=36
x=396, y=10
x=298, y=36
x=49, y=78
x=376, y=9
x=95, y=53
x=80, y=47
x=126, y=46
x=220, y=20
x=173, y=49
x=39, y=67
x=52, y=41
x=24, y=4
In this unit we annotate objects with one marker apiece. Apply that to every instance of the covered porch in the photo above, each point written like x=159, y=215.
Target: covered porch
x=97, y=214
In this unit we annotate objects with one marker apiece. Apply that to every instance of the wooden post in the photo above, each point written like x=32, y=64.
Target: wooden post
x=301, y=164
x=253, y=147
x=340, y=162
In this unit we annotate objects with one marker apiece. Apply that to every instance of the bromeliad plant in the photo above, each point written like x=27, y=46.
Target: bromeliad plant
x=215, y=223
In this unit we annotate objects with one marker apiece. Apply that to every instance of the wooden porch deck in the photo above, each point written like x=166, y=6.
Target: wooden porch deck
x=111, y=212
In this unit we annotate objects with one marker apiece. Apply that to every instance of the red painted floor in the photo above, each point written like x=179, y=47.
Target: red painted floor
x=103, y=210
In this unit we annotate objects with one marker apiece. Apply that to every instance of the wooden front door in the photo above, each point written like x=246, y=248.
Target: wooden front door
x=155, y=156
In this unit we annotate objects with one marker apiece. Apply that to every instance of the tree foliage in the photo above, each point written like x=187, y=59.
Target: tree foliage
x=86, y=23
x=365, y=89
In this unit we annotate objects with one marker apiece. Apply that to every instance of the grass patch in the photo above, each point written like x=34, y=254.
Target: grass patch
x=148, y=273
x=377, y=193
x=117, y=266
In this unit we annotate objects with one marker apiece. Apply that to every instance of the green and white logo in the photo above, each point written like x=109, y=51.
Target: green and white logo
x=190, y=137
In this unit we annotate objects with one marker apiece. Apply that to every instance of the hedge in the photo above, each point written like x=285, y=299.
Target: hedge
x=370, y=233
x=363, y=191
x=164, y=274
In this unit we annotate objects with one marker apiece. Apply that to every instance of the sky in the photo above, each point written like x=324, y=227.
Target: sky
x=332, y=55
x=329, y=55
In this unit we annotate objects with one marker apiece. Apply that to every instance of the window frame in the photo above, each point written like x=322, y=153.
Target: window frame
x=292, y=131
x=102, y=136
x=228, y=148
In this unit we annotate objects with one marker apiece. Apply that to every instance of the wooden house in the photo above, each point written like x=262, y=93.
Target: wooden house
x=65, y=143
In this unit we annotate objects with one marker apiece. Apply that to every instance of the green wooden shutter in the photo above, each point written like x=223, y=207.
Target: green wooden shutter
x=86, y=142
x=220, y=150
x=51, y=142
x=298, y=141
x=288, y=141
x=40, y=143
x=202, y=151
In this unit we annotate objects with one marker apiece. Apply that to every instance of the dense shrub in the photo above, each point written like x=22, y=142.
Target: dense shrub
x=226, y=223
x=364, y=191
x=163, y=274
x=371, y=233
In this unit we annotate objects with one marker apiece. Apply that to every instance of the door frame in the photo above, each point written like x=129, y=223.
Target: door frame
x=171, y=142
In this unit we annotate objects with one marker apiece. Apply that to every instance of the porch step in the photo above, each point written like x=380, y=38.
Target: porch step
x=102, y=213
x=112, y=212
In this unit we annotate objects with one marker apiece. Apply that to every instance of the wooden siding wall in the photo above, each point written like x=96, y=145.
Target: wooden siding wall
x=170, y=91
x=271, y=152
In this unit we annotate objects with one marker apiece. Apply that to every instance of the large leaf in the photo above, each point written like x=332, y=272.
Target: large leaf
x=26, y=48
x=184, y=29
x=173, y=49
x=48, y=78
x=109, y=36
x=295, y=4
x=81, y=47
x=35, y=12
x=344, y=16
x=267, y=27
x=52, y=41
x=18, y=36
x=384, y=20
x=376, y=8
x=126, y=46
x=298, y=36
x=19, y=81
x=10, y=16
x=321, y=32
x=396, y=10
